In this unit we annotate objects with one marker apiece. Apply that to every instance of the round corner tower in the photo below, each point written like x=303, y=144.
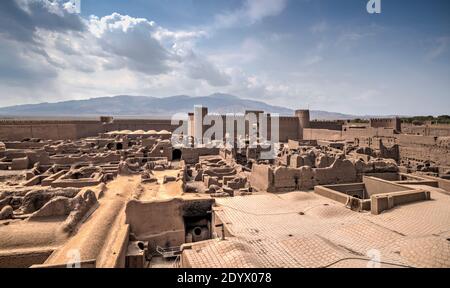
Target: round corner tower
x=303, y=121
x=303, y=118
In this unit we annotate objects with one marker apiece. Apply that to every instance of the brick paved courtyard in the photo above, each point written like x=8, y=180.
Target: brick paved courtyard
x=303, y=229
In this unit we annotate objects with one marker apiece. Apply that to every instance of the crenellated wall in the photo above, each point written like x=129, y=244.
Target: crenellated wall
x=328, y=125
x=394, y=123
x=16, y=130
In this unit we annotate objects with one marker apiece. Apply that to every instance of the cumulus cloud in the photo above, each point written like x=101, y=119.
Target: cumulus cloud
x=19, y=20
x=130, y=43
x=54, y=53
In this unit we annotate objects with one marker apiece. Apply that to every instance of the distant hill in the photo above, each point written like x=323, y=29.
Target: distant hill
x=143, y=106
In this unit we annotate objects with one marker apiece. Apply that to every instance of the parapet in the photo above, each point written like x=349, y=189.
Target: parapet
x=394, y=123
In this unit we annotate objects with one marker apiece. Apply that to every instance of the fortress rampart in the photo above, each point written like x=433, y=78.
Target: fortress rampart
x=16, y=130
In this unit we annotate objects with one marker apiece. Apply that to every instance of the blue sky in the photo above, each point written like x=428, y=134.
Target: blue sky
x=319, y=54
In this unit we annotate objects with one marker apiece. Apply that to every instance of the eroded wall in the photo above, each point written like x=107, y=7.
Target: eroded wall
x=161, y=223
x=265, y=178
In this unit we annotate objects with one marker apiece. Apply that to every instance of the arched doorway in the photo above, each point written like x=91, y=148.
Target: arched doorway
x=176, y=154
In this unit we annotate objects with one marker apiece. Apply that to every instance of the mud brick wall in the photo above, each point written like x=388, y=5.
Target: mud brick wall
x=422, y=148
x=321, y=134
x=17, y=130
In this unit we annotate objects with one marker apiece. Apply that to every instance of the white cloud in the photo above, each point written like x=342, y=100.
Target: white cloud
x=259, y=9
x=130, y=43
x=251, y=12
x=163, y=34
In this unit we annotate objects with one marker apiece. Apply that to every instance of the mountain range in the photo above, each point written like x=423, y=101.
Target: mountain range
x=145, y=106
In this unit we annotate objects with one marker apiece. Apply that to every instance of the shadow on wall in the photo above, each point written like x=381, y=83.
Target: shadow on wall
x=170, y=223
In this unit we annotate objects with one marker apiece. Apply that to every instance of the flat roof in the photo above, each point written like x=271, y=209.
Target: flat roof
x=303, y=229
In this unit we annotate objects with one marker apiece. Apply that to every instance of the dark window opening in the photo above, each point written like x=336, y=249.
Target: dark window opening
x=176, y=154
x=197, y=228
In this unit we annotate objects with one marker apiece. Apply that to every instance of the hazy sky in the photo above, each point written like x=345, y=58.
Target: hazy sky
x=323, y=54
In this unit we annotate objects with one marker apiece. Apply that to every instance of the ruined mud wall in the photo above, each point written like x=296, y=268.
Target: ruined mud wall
x=423, y=148
x=265, y=178
x=414, y=147
x=161, y=223
x=405, y=147
x=261, y=177
x=192, y=155
x=347, y=133
x=427, y=130
x=375, y=142
x=409, y=147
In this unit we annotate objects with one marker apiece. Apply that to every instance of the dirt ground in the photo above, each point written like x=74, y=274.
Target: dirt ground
x=158, y=191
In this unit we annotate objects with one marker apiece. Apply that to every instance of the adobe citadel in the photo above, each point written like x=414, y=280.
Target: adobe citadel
x=123, y=193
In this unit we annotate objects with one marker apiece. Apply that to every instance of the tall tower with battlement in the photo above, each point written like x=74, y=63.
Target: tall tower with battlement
x=303, y=121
